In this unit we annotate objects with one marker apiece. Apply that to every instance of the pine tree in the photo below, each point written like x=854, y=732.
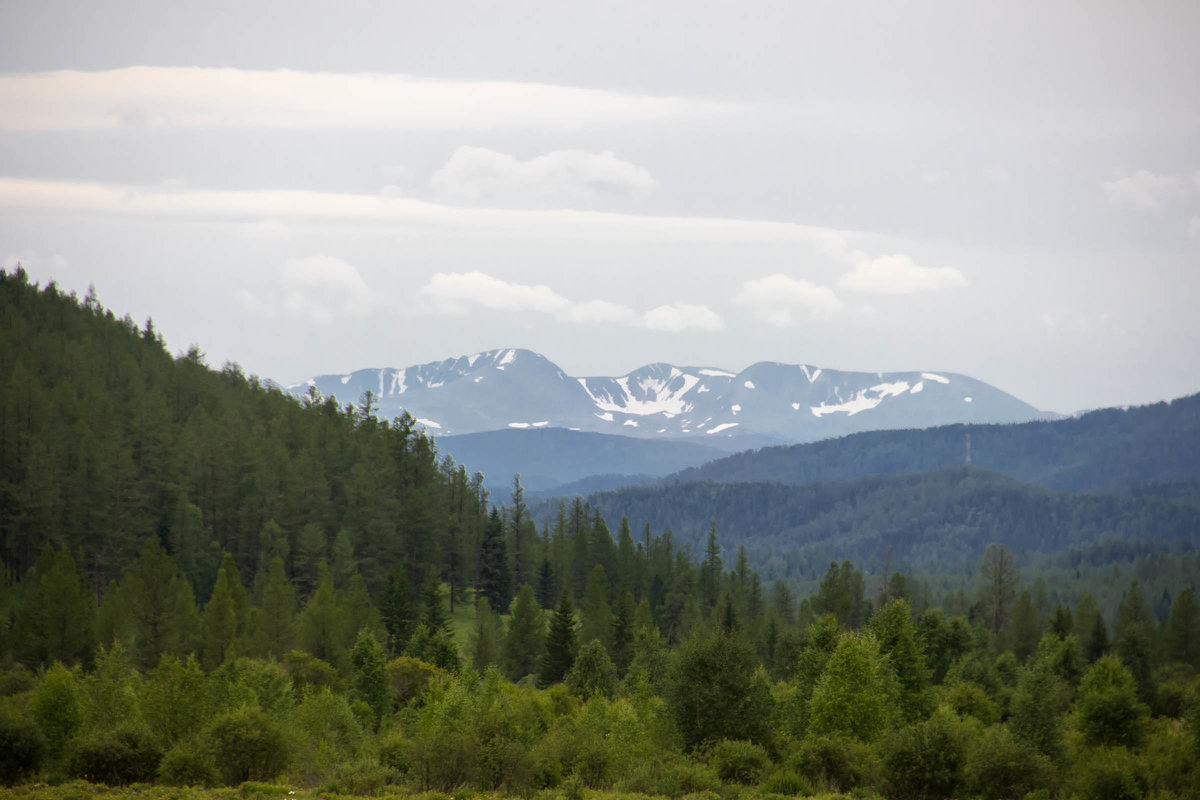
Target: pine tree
x=277, y=622
x=998, y=587
x=560, y=643
x=321, y=627
x=161, y=606
x=597, y=617
x=1181, y=635
x=55, y=616
x=220, y=622
x=369, y=678
x=547, y=589
x=484, y=641
x=522, y=535
x=396, y=610
x=494, y=581
x=1135, y=639
x=621, y=632
x=434, y=619
x=525, y=638
x=711, y=571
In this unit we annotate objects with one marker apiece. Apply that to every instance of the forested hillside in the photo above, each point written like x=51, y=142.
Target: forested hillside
x=205, y=583
x=1096, y=450
x=930, y=522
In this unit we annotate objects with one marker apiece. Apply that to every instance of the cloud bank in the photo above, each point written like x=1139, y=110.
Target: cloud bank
x=459, y=293
x=190, y=97
x=779, y=300
x=559, y=177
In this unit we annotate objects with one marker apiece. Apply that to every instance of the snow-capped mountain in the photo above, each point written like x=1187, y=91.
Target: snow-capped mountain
x=515, y=389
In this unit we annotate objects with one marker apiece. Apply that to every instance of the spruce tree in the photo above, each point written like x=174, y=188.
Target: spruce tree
x=546, y=589
x=220, y=622
x=396, y=610
x=525, y=638
x=621, y=632
x=484, y=640
x=1181, y=634
x=597, y=617
x=276, y=623
x=560, y=643
x=369, y=678
x=494, y=581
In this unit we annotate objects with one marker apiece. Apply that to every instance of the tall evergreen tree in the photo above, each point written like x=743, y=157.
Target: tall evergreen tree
x=711, y=571
x=525, y=637
x=621, y=632
x=1135, y=638
x=276, y=624
x=560, y=643
x=485, y=639
x=1181, y=634
x=546, y=589
x=219, y=622
x=55, y=616
x=369, y=678
x=494, y=578
x=396, y=610
x=998, y=585
x=597, y=616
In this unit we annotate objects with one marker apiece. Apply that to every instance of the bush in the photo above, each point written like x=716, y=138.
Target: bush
x=924, y=761
x=840, y=764
x=969, y=699
x=55, y=707
x=362, y=778
x=675, y=778
x=22, y=748
x=410, y=677
x=1000, y=767
x=739, y=762
x=1109, y=713
x=128, y=755
x=1109, y=773
x=247, y=745
x=189, y=763
x=785, y=782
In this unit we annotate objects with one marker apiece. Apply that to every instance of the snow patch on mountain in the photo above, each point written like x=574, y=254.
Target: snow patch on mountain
x=929, y=376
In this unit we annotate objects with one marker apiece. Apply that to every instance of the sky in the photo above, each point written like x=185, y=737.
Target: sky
x=1005, y=190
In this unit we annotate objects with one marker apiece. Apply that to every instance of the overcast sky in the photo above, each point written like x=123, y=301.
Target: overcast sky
x=1009, y=190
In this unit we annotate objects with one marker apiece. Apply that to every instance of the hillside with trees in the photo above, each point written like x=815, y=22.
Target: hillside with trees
x=205, y=583
x=1097, y=450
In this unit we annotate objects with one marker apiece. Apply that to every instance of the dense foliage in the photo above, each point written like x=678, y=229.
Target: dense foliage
x=1096, y=450
x=207, y=584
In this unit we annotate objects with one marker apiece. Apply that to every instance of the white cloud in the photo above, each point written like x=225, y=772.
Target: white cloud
x=562, y=176
x=778, y=299
x=179, y=97
x=459, y=293
x=897, y=274
x=320, y=287
x=682, y=316
x=1144, y=190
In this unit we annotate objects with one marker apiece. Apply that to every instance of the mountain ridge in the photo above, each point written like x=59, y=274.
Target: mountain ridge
x=767, y=401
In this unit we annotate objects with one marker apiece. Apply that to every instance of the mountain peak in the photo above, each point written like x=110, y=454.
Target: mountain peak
x=769, y=400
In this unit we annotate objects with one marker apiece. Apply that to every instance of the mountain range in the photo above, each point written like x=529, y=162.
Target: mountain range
x=767, y=403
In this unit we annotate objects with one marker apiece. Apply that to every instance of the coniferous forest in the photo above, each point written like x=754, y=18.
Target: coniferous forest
x=205, y=583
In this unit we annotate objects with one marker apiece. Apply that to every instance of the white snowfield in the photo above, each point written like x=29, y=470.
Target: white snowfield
x=863, y=400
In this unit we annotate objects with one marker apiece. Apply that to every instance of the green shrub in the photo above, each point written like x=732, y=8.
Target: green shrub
x=1109, y=773
x=969, y=699
x=840, y=764
x=361, y=778
x=739, y=761
x=670, y=777
x=1109, y=713
x=129, y=754
x=785, y=782
x=56, y=707
x=1001, y=767
x=22, y=748
x=189, y=763
x=924, y=761
x=247, y=745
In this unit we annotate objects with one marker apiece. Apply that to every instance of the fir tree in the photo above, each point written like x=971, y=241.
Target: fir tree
x=369, y=678
x=494, y=579
x=621, y=632
x=525, y=638
x=597, y=617
x=560, y=643
x=484, y=640
x=396, y=610
x=547, y=589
